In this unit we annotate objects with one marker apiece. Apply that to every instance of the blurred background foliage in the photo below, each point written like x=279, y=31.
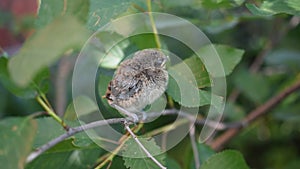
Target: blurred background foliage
x=267, y=30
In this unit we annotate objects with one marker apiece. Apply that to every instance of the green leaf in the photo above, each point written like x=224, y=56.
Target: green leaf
x=10, y=85
x=16, y=138
x=84, y=106
x=45, y=47
x=48, y=129
x=112, y=47
x=229, y=58
x=67, y=156
x=143, y=41
x=272, y=7
x=104, y=77
x=215, y=4
x=238, y=2
x=183, y=92
x=253, y=86
x=228, y=159
x=284, y=57
x=198, y=69
x=186, y=93
x=218, y=25
x=233, y=111
x=288, y=114
x=50, y=9
x=172, y=4
x=101, y=12
x=82, y=139
x=288, y=110
x=135, y=158
x=182, y=86
x=171, y=163
x=40, y=83
x=205, y=152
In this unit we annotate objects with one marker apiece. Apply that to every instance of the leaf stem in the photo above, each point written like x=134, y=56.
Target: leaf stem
x=156, y=37
x=49, y=111
x=43, y=96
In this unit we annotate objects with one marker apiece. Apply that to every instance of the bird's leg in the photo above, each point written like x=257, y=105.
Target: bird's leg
x=143, y=116
x=134, y=117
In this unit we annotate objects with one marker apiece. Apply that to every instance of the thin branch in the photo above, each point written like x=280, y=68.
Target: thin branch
x=256, y=113
x=142, y=147
x=194, y=146
x=234, y=127
x=70, y=132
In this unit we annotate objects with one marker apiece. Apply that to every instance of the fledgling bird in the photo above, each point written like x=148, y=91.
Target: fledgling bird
x=138, y=82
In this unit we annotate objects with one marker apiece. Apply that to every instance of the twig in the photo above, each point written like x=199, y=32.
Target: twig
x=70, y=132
x=50, y=111
x=253, y=115
x=194, y=146
x=142, y=147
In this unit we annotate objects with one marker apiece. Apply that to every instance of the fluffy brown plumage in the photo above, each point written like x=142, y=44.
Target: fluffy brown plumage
x=138, y=81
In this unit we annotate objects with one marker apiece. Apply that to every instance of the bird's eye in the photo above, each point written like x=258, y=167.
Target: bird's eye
x=159, y=62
